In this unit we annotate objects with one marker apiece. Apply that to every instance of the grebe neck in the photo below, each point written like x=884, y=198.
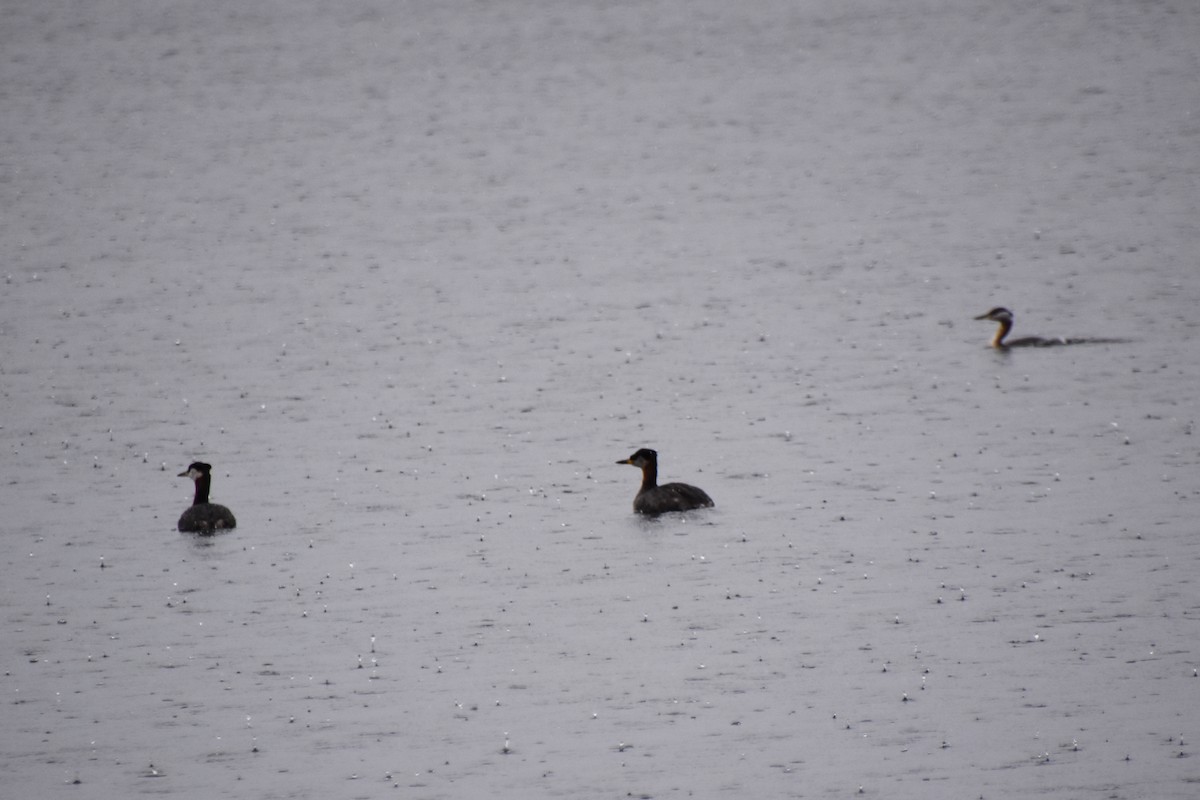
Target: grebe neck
x=202, y=483
x=1005, y=326
x=649, y=477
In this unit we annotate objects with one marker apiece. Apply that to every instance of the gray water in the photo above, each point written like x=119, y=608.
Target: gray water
x=414, y=276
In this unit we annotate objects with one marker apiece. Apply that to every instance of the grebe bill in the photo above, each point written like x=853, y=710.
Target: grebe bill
x=652, y=499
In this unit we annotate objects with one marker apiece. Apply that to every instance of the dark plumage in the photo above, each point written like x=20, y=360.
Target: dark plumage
x=653, y=499
x=202, y=516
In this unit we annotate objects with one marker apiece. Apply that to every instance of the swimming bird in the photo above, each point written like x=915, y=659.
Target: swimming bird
x=202, y=516
x=653, y=499
x=1004, y=317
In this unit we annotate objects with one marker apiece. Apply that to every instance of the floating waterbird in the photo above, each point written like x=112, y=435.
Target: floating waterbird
x=653, y=499
x=1004, y=318
x=202, y=516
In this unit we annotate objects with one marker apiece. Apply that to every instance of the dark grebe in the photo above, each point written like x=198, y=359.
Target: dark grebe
x=203, y=516
x=653, y=499
x=1005, y=318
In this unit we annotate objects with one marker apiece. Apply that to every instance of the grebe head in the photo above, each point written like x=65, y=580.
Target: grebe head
x=196, y=470
x=998, y=314
x=642, y=458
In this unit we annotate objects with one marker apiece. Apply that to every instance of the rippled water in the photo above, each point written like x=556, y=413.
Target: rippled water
x=412, y=278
